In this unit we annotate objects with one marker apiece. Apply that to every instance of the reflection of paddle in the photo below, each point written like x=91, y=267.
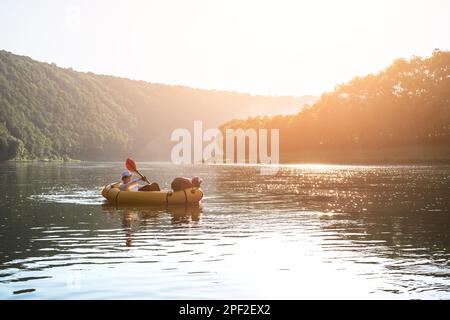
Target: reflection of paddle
x=131, y=165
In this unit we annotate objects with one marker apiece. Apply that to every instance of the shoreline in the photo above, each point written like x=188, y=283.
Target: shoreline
x=353, y=162
x=402, y=155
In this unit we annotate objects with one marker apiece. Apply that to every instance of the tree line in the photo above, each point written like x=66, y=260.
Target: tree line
x=47, y=112
x=404, y=107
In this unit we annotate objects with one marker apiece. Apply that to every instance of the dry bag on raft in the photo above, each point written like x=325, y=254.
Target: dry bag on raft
x=179, y=184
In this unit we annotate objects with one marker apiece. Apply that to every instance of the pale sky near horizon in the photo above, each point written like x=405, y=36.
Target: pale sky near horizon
x=261, y=47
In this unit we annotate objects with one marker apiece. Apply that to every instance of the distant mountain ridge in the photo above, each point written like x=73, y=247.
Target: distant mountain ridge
x=47, y=112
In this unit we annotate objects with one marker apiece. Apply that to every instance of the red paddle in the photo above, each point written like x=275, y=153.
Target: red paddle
x=131, y=165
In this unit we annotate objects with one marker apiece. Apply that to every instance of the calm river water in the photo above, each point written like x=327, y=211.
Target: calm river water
x=309, y=231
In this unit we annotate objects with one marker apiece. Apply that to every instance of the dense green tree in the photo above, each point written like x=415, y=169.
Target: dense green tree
x=50, y=112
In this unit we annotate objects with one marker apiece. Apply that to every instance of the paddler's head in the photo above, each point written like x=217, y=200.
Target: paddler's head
x=126, y=176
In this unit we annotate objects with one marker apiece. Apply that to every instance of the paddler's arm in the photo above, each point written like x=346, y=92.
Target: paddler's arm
x=130, y=185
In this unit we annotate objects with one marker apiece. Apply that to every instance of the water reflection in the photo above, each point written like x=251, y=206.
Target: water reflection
x=308, y=232
x=134, y=219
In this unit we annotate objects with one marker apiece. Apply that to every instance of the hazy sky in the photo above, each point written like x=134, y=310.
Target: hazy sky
x=262, y=47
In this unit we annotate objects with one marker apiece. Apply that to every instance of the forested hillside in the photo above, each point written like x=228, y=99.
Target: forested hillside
x=47, y=112
x=401, y=114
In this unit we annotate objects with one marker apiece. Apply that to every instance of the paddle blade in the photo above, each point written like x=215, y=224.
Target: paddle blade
x=131, y=165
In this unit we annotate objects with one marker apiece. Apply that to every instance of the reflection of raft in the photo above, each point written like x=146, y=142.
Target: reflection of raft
x=187, y=196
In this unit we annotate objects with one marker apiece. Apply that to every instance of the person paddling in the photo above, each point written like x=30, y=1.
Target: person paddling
x=129, y=184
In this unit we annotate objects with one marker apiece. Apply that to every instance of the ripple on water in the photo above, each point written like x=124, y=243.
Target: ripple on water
x=71, y=196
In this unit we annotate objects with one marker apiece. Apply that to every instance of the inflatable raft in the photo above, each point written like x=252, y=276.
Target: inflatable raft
x=143, y=198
